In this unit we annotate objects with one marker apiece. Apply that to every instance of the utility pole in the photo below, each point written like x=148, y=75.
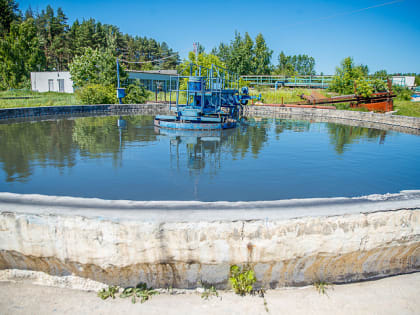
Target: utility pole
x=196, y=45
x=120, y=91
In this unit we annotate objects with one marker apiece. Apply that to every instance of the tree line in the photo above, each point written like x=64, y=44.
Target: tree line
x=44, y=41
x=245, y=56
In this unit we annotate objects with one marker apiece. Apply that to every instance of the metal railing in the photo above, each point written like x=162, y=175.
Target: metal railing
x=304, y=81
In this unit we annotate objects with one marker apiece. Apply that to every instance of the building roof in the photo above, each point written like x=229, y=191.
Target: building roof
x=167, y=72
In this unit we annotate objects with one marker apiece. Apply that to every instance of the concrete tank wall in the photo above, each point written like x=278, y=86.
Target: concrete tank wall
x=343, y=115
x=365, y=119
x=179, y=253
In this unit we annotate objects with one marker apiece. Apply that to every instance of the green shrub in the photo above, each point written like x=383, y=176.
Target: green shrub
x=403, y=93
x=364, y=88
x=242, y=279
x=97, y=94
x=135, y=94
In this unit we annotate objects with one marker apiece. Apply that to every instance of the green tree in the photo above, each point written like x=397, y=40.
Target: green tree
x=171, y=58
x=203, y=59
x=285, y=66
x=239, y=56
x=295, y=64
x=262, y=56
x=9, y=13
x=364, y=69
x=242, y=55
x=345, y=77
x=95, y=66
x=60, y=42
x=19, y=54
x=87, y=34
x=53, y=33
x=381, y=74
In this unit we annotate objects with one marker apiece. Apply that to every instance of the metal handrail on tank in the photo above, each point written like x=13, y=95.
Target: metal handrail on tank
x=213, y=98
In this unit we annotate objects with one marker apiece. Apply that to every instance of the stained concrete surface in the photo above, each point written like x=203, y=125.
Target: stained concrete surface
x=394, y=295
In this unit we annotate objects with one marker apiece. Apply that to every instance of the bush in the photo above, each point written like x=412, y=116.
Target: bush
x=242, y=279
x=379, y=85
x=97, y=94
x=403, y=93
x=364, y=88
x=135, y=94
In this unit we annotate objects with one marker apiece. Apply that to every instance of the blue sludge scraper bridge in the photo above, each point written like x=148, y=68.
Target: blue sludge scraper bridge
x=213, y=100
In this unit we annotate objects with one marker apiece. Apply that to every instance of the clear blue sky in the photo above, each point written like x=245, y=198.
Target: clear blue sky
x=381, y=36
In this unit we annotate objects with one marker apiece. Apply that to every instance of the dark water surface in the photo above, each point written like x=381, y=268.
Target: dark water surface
x=264, y=159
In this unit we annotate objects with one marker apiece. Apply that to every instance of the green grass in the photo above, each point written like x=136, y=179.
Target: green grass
x=36, y=99
x=407, y=108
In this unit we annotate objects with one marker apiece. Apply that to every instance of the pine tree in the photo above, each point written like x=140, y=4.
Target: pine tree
x=9, y=13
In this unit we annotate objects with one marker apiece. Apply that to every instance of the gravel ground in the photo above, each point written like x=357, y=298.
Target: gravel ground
x=394, y=295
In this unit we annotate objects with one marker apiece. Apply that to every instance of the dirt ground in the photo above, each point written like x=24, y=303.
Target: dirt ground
x=394, y=295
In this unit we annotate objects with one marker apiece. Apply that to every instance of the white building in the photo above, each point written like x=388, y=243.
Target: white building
x=53, y=81
x=406, y=81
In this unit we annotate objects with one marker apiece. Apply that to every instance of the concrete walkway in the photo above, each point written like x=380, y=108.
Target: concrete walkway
x=395, y=295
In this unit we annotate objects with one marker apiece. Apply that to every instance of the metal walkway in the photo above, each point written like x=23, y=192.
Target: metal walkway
x=276, y=81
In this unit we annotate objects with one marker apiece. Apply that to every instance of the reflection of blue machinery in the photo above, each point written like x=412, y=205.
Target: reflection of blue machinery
x=213, y=100
x=196, y=149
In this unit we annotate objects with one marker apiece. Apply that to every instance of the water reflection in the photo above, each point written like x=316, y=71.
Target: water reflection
x=195, y=149
x=342, y=136
x=59, y=144
x=97, y=136
x=46, y=144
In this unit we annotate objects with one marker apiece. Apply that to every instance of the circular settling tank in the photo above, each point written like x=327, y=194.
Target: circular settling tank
x=262, y=159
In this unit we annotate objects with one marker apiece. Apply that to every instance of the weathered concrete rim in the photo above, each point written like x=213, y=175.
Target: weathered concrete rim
x=342, y=115
x=198, y=211
x=344, y=121
x=41, y=113
x=292, y=252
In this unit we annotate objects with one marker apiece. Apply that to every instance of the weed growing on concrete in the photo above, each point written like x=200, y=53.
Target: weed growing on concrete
x=109, y=292
x=322, y=286
x=242, y=279
x=170, y=290
x=261, y=293
x=266, y=306
x=209, y=291
x=140, y=291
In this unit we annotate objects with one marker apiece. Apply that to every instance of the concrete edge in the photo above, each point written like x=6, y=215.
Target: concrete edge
x=31, y=113
x=344, y=115
x=198, y=211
